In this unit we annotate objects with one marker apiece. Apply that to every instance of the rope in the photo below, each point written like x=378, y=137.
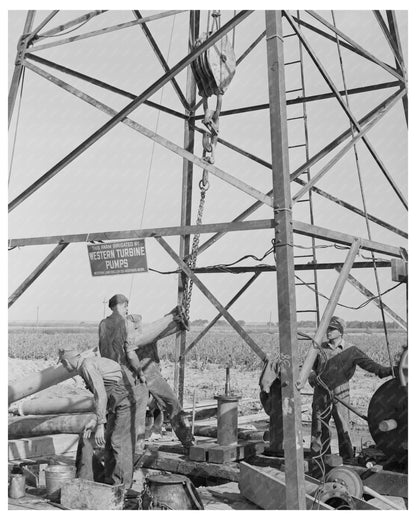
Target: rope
x=153, y=148
x=17, y=126
x=357, y=163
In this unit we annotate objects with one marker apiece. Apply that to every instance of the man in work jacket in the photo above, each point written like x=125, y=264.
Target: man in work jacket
x=115, y=332
x=114, y=428
x=122, y=338
x=333, y=368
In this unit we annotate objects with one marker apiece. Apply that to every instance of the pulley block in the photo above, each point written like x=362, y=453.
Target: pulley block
x=214, y=69
x=348, y=478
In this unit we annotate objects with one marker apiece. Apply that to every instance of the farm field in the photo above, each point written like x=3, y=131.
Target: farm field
x=32, y=350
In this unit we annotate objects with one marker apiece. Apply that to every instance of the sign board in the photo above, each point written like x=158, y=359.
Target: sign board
x=128, y=256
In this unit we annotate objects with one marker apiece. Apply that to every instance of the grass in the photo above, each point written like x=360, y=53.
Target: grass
x=220, y=347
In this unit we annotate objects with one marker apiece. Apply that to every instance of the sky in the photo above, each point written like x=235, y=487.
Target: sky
x=105, y=188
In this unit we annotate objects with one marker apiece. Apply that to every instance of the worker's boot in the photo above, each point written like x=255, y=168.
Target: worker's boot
x=182, y=429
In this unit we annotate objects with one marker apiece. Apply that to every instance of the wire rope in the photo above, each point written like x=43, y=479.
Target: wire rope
x=363, y=198
x=16, y=127
x=153, y=148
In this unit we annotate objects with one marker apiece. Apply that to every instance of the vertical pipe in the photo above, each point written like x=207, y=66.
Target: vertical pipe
x=282, y=211
x=186, y=206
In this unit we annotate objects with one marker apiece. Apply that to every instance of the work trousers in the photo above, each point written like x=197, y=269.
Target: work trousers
x=120, y=442
x=167, y=401
x=322, y=411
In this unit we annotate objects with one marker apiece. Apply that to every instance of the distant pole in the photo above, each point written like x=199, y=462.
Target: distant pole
x=37, y=316
x=104, y=305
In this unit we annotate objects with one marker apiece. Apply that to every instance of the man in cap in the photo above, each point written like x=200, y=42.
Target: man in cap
x=122, y=338
x=114, y=427
x=333, y=368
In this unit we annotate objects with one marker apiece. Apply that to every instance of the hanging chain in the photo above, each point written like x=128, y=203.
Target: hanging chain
x=209, y=144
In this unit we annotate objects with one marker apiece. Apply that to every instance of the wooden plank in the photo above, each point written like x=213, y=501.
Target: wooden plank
x=180, y=464
x=290, y=403
x=242, y=450
x=152, y=89
x=143, y=233
x=343, y=238
x=268, y=489
x=44, y=446
x=250, y=342
x=327, y=315
x=84, y=494
x=385, y=482
x=299, y=227
x=224, y=497
x=36, y=272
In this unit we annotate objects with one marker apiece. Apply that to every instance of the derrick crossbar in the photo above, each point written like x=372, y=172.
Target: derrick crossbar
x=301, y=228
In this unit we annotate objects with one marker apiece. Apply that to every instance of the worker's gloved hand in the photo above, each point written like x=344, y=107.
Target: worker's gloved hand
x=178, y=314
x=89, y=428
x=312, y=379
x=386, y=372
x=99, y=436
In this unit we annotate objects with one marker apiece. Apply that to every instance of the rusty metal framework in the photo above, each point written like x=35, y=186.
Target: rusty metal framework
x=279, y=198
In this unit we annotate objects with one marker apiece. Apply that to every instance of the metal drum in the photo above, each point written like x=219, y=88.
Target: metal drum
x=388, y=419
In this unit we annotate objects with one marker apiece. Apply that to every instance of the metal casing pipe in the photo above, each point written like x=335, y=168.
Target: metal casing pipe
x=54, y=405
x=36, y=425
x=227, y=419
x=37, y=382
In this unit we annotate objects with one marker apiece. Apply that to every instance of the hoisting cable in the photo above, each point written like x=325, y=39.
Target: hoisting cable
x=357, y=163
x=153, y=148
x=17, y=125
x=205, y=69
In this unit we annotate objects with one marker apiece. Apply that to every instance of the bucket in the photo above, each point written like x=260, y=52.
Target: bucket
x=56, y=476
x=17, y=486
x=170, y=492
